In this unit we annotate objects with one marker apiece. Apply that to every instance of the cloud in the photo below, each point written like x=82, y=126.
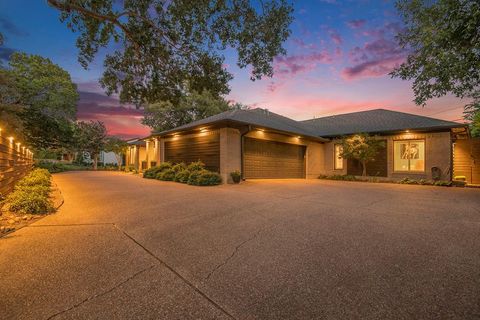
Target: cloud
x=295, y=64
x=356, y=24
x=376, y=57
x=8, y=26
x=5, y=53
x=120, y=120
x=336, y=38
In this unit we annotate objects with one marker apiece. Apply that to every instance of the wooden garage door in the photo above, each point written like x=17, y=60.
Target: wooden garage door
x=273, y=160
x=205, y=148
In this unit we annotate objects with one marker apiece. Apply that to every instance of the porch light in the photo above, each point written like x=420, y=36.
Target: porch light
x=10, y=139
x=203, y=129
x=407, y=131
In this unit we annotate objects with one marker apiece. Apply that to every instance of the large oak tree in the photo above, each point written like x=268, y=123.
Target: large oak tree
x=165, y=46
x=443, y=38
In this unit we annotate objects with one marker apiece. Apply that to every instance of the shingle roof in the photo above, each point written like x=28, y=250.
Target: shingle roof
x=375, y=121
x=257, y=117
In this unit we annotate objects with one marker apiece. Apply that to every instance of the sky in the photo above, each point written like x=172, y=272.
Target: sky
x=338, y=59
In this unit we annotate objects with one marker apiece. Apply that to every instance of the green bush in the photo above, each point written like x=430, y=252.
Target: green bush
x=179, y=167
x=196, y=166
x=31, y=194
x=56, y=167
x=166, y=175
x=443, y=183
x=23, y=201
x=194, y=177
x=182, y=176
x=209, y=179
x=153, y=172
x=408, y=181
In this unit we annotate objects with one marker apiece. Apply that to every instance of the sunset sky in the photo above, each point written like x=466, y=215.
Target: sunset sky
x=338, y=59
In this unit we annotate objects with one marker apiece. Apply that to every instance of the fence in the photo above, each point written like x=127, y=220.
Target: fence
x=15, y=161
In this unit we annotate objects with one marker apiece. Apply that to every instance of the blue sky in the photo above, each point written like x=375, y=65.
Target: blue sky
x=338, y=59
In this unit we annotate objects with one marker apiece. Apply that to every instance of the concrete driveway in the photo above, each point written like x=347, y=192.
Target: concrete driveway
x=122, y=247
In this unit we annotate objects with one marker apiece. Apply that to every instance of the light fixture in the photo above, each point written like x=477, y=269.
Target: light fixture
x=11, y=139
x=407, y=131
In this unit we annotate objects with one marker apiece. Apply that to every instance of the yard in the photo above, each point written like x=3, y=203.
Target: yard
x=126, y=247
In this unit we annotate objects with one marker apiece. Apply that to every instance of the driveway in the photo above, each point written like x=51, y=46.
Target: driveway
x=122, y=247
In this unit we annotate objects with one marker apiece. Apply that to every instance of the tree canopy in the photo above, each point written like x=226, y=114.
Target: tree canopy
x=117, y=146
x=165, y=115
x=361, y=147
x=91, y=137
x=38, y=100
x=443, y=39
x=166, y=45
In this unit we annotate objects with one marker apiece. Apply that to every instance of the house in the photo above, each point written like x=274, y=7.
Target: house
x=263, y=144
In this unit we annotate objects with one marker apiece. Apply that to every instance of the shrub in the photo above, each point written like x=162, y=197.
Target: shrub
x=194, y=177
x=56, y=167
x=31, y=194
x=182, y=176
x=38, y=177
x=208, y=178
x=342, y=177
x=153, y=172
x=166, y=175
x=196, y=166
x=179, y=167
x=408, y=181
x=24, y=201
x=443, y=183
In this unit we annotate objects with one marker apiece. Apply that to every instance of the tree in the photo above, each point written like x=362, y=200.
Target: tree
x=361, y=147
x=165, y=115
x=90, y=137
x=166, y=46
x=118, y=147
x=38, y=100
x=443, y=41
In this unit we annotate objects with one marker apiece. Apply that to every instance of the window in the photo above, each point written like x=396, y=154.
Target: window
x=338, y=160
x=409, y=155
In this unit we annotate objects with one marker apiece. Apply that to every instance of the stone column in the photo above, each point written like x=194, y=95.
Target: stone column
x=230, y=153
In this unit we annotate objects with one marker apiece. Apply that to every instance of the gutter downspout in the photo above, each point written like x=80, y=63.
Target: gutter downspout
x=242, y=143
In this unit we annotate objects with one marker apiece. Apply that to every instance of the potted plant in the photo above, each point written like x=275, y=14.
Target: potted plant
x=236, y=176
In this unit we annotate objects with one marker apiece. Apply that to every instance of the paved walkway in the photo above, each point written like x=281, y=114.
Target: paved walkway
x=122, y=247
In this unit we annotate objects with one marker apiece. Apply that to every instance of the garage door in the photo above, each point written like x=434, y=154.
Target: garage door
x=205, y=148
x=273, y=160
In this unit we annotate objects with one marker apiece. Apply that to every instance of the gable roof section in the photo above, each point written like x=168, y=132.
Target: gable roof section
x=375, y=121
x=257, y=117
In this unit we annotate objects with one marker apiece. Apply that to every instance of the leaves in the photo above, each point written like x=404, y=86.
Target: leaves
x=444, y=42
x=361, y=147
x=38, y=101
x=165, y=115
x=164, y=48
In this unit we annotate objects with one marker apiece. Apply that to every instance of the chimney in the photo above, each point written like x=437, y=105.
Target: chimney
x=266, y=111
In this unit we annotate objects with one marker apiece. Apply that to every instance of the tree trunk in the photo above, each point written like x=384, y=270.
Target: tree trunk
x=364, y=167
x=119, y=160
x=95, y=161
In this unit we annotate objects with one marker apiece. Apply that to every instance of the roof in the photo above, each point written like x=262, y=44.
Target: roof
x=136, y=142
x=256, y=117
x=375, y=121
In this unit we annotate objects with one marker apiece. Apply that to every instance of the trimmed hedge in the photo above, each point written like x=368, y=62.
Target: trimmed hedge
x=192, y=174
x=153, y=172
x=166, y=175
x=31, y=194
x=182, y=176
x=209, y=179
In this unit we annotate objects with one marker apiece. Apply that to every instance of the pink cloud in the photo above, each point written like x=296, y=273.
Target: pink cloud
x=377, y=57
x=356, y=24
x=372, y=68
x=336, y=38
x=292, y=65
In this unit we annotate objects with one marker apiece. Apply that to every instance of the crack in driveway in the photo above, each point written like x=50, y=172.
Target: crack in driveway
x=237, y=248
x=100, y=294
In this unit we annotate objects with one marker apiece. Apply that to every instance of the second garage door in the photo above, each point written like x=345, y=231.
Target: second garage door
x=273, y=160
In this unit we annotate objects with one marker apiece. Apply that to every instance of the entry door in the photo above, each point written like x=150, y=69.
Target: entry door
x=273, y=160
